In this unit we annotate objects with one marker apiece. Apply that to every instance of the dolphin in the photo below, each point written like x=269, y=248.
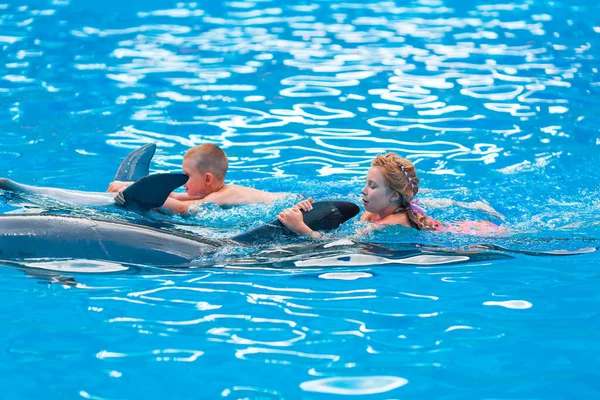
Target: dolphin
x=44, y=236
x=134, y=167
x=145, y=194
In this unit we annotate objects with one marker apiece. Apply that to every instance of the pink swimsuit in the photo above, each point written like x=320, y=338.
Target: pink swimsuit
x=473, y=228
x=464, y=227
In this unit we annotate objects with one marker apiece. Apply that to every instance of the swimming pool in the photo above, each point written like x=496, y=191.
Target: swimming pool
x=495, y=103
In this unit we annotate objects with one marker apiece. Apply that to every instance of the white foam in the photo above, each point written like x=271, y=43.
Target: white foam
x=357, y=260
x=341, y=242
x=361, y=385
x=345, y=276
x=94, y=266
x=513, y=304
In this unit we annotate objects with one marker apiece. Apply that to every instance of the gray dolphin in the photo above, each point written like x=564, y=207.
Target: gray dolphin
x=38, y=236
x=73, y=197
x=149, y=191
x=145, y=194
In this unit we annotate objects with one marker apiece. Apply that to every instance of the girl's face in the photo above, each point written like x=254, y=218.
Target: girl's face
x=377, y=196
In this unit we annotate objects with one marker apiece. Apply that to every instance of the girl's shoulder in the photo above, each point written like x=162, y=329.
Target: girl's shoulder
x=368, y=217
x=393, y=219
x=397, y=219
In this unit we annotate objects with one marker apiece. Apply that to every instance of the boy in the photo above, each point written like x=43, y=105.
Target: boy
x=206, y=165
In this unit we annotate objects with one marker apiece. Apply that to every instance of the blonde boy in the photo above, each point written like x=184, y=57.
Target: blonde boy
x=206, y=165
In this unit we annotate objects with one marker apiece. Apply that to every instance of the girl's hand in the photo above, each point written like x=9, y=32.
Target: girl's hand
x=305, y=205
x=292, y=219
x=367, y=230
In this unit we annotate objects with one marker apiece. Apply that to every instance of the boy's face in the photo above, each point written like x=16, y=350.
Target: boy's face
x=197, y=184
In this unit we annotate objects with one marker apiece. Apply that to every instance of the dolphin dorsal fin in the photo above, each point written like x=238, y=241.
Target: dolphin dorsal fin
x=136, y=165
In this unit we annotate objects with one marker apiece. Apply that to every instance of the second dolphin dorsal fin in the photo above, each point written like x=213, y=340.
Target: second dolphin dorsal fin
x=151, y=191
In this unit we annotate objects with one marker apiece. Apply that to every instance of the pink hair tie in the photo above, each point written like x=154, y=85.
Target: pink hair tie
x=415, y=207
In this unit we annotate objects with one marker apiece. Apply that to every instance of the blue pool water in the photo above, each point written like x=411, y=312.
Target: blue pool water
x=496, y=104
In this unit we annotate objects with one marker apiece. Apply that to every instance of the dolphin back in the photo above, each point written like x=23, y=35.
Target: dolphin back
x=10, y=185
x=38, y=236
x=74, y=197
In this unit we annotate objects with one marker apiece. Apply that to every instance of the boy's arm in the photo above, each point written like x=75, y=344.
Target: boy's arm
x=174, y=206
x=116, y=186
x=170, y=206
x=239, y=196
x=184, y=197
x=223, y=199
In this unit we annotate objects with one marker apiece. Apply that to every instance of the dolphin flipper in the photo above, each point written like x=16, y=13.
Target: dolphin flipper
x=151, y=191
x=136, y=165
x=325, y=216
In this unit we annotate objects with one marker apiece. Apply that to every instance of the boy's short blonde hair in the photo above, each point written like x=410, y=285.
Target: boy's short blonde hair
x=209, y=158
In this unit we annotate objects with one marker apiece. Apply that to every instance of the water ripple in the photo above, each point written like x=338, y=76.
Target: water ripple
x=494, y=103
x=363, y=385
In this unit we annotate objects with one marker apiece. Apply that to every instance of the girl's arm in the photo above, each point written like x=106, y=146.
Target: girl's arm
x=366, y=230
x=292, y=219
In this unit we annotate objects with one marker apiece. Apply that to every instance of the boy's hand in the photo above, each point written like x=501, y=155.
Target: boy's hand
x=116, y=186
x=305, y=205
x=120, y=198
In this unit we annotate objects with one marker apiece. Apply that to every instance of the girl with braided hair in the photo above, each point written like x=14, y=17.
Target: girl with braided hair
x=388, y=194
x=388, y=197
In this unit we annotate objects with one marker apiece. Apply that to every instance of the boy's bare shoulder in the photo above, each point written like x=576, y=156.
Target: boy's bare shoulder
x=243, y=189
x=237, y=195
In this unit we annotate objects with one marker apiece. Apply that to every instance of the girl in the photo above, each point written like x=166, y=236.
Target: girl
x=388, y=194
